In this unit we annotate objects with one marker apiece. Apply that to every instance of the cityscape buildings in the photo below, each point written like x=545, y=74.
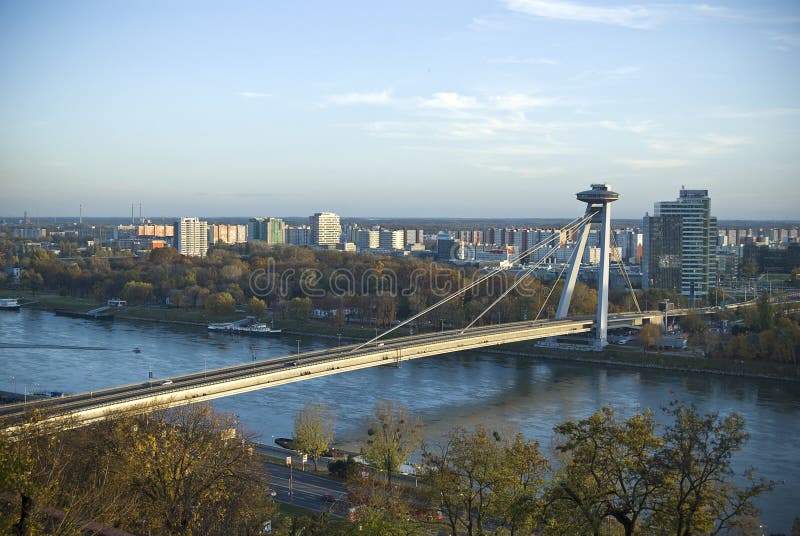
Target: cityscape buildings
x=326, y=230
x=679, y=245
x=192, y=237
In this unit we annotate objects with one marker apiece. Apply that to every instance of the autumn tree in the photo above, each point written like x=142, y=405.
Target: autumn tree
x=649, y=335
x=189, y=472
x=608, y=470
x=700, y=496
x=391, y=437
x=220, y=303
x=313, y=430
x=137, y=292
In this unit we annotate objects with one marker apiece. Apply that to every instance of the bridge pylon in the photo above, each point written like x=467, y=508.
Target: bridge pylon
x=598, y=211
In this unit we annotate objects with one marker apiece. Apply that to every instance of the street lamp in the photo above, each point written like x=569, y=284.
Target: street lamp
x=14, y=383
x=298, y=345
x=340, y=338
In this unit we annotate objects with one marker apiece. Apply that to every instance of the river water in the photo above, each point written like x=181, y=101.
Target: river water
x=42, y=352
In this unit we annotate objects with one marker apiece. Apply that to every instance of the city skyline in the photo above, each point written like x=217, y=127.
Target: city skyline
x=480, y=109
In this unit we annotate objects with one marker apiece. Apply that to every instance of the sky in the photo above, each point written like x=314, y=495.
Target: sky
x=485, y=108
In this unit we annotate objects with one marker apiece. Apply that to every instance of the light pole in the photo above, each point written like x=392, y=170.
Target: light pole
x=298, y=345
x=14, y=383
x=340, y=338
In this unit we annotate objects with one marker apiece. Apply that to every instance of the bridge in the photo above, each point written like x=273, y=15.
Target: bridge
x=83, y=408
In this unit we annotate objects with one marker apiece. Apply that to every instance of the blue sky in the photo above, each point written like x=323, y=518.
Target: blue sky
x=446, y=108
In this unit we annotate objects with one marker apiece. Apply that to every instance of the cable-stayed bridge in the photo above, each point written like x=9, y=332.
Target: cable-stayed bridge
x=83, y=408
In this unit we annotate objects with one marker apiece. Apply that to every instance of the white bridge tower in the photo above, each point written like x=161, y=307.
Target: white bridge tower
x=597, y=202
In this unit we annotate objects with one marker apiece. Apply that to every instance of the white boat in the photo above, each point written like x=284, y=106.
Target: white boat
x=9, y=304
x=246, y=326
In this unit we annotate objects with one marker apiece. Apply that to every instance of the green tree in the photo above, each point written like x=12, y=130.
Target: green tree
x=32, y=280
x=608, y=470
x=314, y=430
x=220, y=303
x=299, y=308
x=700, y=497
x=138, y=292
x=391, y=437
x=256, y=307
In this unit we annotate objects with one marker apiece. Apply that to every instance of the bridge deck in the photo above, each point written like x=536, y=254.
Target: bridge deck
x=201, y=386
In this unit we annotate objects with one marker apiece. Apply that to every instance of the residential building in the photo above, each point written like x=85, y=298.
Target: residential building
x=391, y=239
x=298, y=236
x=269, y=230
x=227, y=233
x=326, y=230
x=679, y=245
x=192, y=237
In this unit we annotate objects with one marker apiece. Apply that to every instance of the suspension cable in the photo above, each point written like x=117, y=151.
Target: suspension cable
x=519, y=280
x=624, y=273
x=574, y=223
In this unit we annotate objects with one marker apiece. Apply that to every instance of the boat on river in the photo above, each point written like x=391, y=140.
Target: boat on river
x=246, y=326
x=9, y=304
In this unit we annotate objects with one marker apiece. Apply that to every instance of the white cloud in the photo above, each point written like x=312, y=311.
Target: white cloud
x=626, y=16
x=520, y=102
x=655, y=163
x=375, y=97
x=450, y=101
x=524, y=61
x=253, y=95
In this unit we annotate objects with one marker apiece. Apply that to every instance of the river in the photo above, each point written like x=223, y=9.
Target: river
x=42, y=352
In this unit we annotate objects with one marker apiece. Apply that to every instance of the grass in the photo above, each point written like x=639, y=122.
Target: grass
x=51, y=300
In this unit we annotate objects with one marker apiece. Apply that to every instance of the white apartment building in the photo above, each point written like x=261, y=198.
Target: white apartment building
x=192, y=237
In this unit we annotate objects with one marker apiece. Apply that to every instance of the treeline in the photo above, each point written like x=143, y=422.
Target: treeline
x=763, y=331
x=293, y=281
x=189, y=471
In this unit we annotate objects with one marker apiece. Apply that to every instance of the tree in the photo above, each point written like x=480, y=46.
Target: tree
x=649, y=335
x=391, y=437
x=608, y=470
x=699, y=496
x=32, y=280
x=299, y=308
x=313, y=430
x=256, y=307
x=188, y=472
x=137, y=292
x=477, y=475
x=220, y=303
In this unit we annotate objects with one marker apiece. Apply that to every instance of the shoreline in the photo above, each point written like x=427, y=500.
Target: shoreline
x=609, y=357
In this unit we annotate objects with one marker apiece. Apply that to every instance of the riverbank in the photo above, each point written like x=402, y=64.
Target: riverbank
x=613, y=355
x=635, y=358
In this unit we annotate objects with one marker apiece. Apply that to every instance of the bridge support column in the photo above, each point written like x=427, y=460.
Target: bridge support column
x=598, y=200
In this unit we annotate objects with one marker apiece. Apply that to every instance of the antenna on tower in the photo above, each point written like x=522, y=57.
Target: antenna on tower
x=80, y=213
x=132, y=205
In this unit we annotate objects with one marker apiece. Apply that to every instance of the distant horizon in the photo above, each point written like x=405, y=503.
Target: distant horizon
x=221, y=219
x=477, y=106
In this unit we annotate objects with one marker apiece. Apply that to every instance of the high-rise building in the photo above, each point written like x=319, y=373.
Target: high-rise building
x=366, y=238
x=679, y=245
x=269, y=230
x=325, y=229
x=227, y=233
x=192, y=237
x=298, y=236
x=391, y=239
